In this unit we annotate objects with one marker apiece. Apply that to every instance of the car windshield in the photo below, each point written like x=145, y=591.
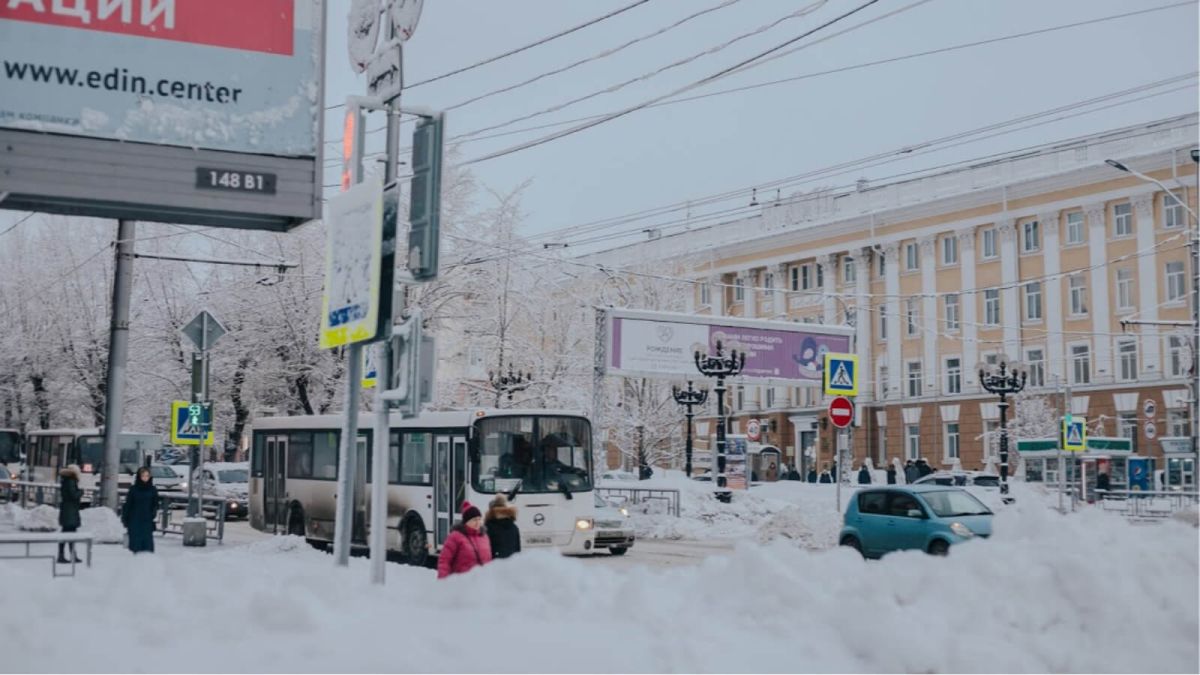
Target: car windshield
x=987, y=481
x=10, y=447
x=163, y=472
x=541, y=453
x=950, y=503
x=234, y=476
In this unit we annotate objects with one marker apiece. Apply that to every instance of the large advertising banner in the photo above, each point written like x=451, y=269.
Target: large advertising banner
x=662, y=345
x=217, y=74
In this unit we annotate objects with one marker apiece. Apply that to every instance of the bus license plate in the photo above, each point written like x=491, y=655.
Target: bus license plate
x=538, y=540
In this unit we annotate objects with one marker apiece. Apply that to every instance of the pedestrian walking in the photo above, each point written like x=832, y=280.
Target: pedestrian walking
x=501, y=525
x=864, y=475
x=891, y=475
x=467, y=547
x=1103, y=482
x=70, y=497
x=141, y=506
x=911, y=472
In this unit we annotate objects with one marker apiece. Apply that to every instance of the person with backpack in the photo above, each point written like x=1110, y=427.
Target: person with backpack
x=467, y=547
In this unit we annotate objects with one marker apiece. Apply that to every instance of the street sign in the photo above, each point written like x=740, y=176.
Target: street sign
x=841, y=374
x=353, y=265
x=1074, y=433
x=191, y=423
x=753, y=430
x=1151, y=430
x=841, y=412
x=1149, y=408
x=370, y=372
x=204, y=330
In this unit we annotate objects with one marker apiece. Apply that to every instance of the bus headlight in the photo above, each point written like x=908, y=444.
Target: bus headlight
x=624, y=511
x=583, y=523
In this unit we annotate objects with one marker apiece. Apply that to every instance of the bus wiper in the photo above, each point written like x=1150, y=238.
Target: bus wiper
x=512, y=494
x=562, y=487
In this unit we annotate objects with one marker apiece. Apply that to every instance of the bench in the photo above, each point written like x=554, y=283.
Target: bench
x=30, y=538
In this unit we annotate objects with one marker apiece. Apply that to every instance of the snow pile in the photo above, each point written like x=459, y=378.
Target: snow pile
x=1190, y=516
x=1047, y=593
x=102, y=523
x=38, y=519
x=281, y=544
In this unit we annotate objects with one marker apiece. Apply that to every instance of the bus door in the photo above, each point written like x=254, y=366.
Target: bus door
x=274, y=484
x=449, y=482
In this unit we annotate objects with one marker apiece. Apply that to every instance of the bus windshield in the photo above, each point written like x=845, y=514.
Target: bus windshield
x=10, y=447
x=543, y=454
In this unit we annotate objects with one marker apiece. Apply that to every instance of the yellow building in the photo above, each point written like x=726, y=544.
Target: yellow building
x=1035, y=257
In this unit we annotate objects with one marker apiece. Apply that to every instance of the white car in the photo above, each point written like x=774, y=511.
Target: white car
x=984, y=486
x=230, y=480
x=612, y=529
x=167, y=479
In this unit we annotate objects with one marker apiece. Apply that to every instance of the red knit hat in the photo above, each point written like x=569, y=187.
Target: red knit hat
x=469, y=511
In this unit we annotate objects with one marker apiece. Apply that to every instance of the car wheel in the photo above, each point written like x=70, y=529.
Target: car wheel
x=853, y=542
x=617, y=550
x=939, y=547
x=414, y=544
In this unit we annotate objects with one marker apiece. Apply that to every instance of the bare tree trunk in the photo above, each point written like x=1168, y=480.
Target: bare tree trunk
x=40, y=400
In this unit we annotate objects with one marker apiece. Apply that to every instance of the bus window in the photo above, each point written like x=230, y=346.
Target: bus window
x=416, y=459
x=91, y=454
x=10, y=447
x=546, y=454
x=325, y=455
x=300, y=455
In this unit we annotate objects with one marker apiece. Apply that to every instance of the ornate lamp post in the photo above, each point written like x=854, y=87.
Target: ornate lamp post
x=720, y=367
x=510, y=383
x=689, y=398
x=1003, y=382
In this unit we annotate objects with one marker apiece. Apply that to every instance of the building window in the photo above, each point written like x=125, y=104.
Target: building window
x=1081, y=364
x=1127, y=427
x=953, y=376
x=795, y=273
x=849, y=275
x=1176, y=284
x=739, y=398
x=950, y=250
x=1035, y=361
x=1075, y=228
x=739, y=289
x=1078, y=292
x=1177, y=423
x=806, y=276
x=1173, y=212
x=882, y=265
x=989, y=243
x=1123, y=220
x=912, y=316
x=991, y=307
x=914, y=378
x=912, y=441
x=882, y=445
x=991, y=360
x=883, y=381
x=1033, y=301
x=1127, y=360
x=768, y=281
x=991, y=439
x=820, y=269
x=705, y=294
x=1175, y=355
x=1031, y=237
x=912, y=256
x=951, y=302
x=952, y=440
x=770, y=397
x=883, y=322
x=1125, y=288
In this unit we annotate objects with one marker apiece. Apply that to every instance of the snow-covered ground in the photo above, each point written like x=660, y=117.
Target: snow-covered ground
x=1084, y=592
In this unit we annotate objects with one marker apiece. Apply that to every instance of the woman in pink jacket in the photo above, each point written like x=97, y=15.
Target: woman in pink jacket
x=467, y=546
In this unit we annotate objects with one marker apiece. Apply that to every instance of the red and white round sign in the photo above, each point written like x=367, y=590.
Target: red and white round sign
x=841, y=412
x=753, y=430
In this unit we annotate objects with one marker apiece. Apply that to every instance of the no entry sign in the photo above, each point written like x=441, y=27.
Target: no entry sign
x=841, y=412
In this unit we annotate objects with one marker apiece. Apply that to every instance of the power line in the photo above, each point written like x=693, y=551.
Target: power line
x=531, y=45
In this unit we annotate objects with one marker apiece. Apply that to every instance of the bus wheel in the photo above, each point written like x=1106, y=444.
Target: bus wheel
x=296, y=522
x=415, y=544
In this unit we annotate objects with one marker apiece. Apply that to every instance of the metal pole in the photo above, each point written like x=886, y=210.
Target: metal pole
x=687, y=448
x=118, y=352
x=347, y=456
x=838, y=461
x=1003, y=444
x=383, y=372
x=1194, y=381
x=719, y=461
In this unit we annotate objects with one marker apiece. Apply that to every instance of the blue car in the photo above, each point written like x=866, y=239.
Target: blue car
x=928, y=518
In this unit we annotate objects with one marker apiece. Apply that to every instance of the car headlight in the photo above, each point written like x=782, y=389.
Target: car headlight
x=583, y=523
x=183, y=485
x=961, y=530
x=624, y=511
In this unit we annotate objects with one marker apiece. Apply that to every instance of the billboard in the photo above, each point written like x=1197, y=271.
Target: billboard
x=661, y=345
x=189, y=111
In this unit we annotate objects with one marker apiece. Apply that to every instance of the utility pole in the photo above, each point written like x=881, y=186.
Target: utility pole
x=689, y=398
x=118, y=354
x=720, y=367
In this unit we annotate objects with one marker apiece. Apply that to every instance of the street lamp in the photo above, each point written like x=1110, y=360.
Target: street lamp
x=1004, y=382
x=510, y=383
x=689, y=398
x=720, y=367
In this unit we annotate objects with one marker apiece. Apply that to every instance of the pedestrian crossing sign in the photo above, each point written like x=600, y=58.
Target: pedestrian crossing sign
x=1074, y=433
x=370, y=374
x=184, y=427
x=841, y=374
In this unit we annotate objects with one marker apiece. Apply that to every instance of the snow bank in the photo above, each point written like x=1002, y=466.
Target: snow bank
x=1047, y=593
x=38, y=519
x=102, y=523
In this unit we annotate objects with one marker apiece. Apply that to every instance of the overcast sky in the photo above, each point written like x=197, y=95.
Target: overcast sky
x=679, y=152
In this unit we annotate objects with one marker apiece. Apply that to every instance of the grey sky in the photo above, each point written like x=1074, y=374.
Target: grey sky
x=679, y=152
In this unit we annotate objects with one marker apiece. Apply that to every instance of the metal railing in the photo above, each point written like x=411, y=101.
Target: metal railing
x=644, y=495
x=1146, y=504
x=29, y=494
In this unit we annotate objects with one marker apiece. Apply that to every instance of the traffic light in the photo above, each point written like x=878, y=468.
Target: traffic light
x=352, y=145
x=426, y=201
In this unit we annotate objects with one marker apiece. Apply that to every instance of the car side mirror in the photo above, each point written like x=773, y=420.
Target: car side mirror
x=915, y=513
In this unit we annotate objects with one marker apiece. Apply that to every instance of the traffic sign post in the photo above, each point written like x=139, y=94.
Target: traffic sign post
x=1074, y=433
x=840, y=374
x=841, y=412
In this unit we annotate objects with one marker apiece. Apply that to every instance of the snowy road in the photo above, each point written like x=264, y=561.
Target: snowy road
x=659, y=553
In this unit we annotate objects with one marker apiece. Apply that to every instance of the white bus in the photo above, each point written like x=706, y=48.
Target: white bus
x=436, y=461
x=48, y=450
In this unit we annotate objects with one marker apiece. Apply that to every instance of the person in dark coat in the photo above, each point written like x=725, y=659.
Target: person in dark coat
x=501, y=527
x=793, y=474
x=864, y=475
x=139, y=511
x=891, y=474
x=1103, y=482
x=812, y=475
x=826, y=476
x=923, y=467
x=911, y=472
x=70, y=497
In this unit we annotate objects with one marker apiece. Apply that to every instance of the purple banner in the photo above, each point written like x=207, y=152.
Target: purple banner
x=777, y=354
